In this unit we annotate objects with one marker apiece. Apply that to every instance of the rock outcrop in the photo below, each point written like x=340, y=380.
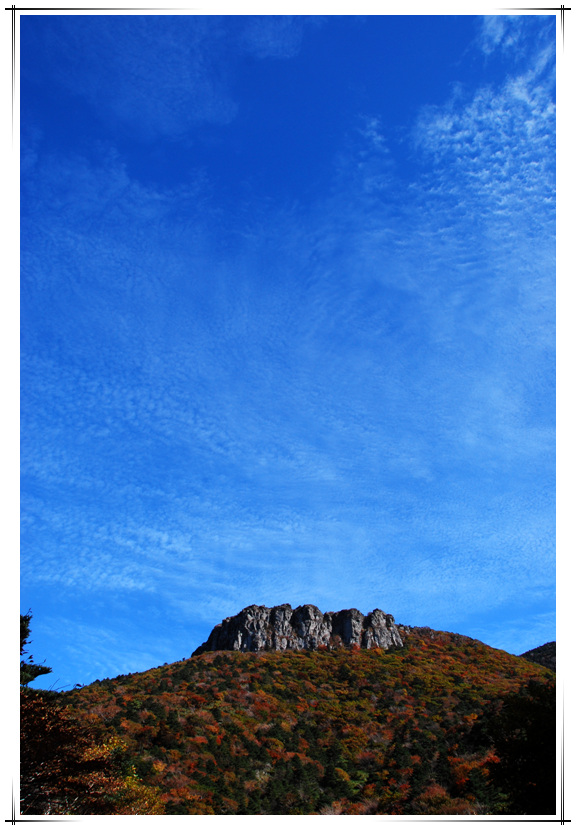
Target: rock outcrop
x=257, y=628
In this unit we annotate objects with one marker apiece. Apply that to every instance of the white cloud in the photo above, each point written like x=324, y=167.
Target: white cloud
x=351, y=401
x=499, y=146
x=500, y=32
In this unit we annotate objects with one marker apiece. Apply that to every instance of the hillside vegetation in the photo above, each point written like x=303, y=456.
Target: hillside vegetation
x=444, y=725
x=543, y=655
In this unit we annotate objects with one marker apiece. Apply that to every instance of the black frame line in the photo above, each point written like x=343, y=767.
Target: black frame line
x=560, y=9
x=13, y=17
x=13, y=9
x=100, y=9
x=14, y=820
x=562, y=788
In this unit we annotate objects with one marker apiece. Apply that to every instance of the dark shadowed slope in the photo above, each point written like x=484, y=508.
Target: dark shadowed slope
x=543, y=655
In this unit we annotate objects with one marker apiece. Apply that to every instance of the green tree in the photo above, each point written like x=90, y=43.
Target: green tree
x=29, y=670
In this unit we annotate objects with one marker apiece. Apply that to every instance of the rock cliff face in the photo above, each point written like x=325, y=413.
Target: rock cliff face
x=258, y=628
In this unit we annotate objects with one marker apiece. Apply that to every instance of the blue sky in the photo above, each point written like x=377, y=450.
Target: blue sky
x=287, y=327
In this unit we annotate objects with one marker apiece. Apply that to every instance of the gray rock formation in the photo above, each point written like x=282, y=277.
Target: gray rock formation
x=257, y=628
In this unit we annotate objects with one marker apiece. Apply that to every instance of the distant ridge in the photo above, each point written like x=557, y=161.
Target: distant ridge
x=543, y=655
x=282, y=628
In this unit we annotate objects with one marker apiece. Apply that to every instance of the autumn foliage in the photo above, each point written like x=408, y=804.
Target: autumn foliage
x=67, y=769
x=444, y=726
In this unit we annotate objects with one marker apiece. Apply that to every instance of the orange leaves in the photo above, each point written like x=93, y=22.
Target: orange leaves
x=198, y=740
x=461, y=771
x=363, y=731
x=65, y=770
x=274, y=748
x=435, y=800
x=341, y=774
x=303, y=746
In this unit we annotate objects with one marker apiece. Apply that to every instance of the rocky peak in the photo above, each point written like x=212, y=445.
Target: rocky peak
x=258, y=628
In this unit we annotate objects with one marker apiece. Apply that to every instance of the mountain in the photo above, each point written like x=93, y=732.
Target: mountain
x=258, y=628
x=543, y=655
x=441, y=724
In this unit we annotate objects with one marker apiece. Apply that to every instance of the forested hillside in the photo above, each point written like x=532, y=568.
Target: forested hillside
x=444, y=725
x=543, y=655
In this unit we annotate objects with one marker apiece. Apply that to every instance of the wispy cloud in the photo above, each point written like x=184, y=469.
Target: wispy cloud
x=500, y=32
x=516, y=37
x=344, y=400
x=160, y=76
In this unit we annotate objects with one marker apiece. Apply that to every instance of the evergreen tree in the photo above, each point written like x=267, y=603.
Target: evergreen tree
x=29, y=670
